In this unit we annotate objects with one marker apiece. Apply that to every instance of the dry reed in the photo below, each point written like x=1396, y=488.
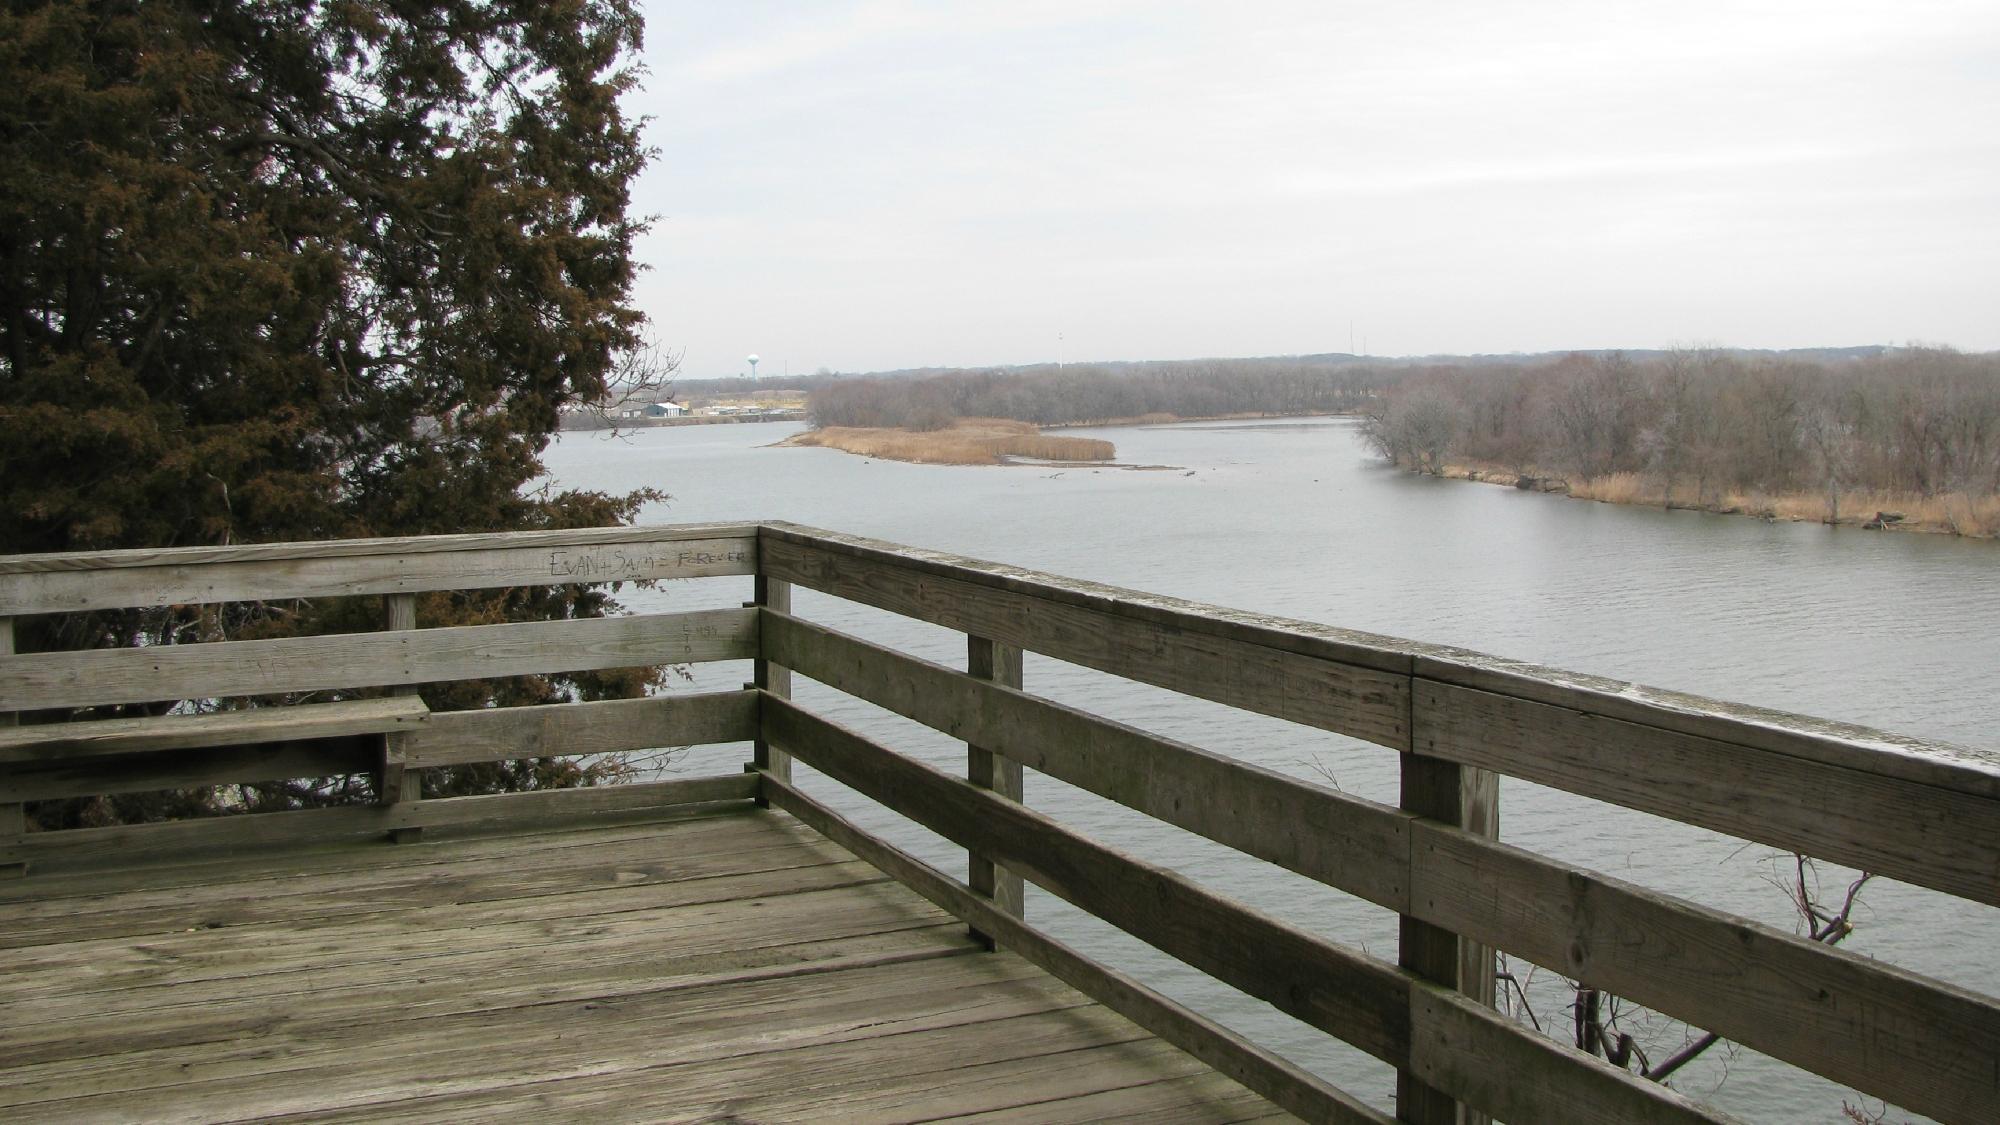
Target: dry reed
x=1952, y=513
x=971, y=441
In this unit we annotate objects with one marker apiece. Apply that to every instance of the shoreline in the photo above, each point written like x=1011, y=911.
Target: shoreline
x=1953, y=514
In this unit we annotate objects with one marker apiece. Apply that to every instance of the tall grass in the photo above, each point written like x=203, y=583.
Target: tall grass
x=1619, y=488
x=1951, y=513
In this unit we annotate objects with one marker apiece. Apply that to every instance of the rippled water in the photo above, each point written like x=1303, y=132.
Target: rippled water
x=1892, y=630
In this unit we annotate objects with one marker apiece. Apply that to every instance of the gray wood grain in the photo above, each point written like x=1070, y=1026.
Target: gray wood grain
x=1467, y=798
x=82, y=849
x=999, y=664
x=54, y=562
x=1288, y=1085
x=57, y=741
x=1185, y=654
x=1944, y=838
x=1916, y=1042
x=1350, y=995
x=1347, y=994
x=602, y=727
x=1344, y=841
x=352, y=660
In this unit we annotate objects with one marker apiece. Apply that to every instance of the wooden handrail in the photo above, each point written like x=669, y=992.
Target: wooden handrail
x=268, y=572
x=1924, y=812
x=1712, y=969
x=1392, y=1015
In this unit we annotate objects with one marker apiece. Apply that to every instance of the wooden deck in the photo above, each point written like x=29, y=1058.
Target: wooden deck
x=719, y=966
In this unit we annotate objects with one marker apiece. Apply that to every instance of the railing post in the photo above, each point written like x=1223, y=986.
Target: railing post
x=1468, y=798
x=400, y=786
x=13, y=814
x=774, y=594
x=989, y=660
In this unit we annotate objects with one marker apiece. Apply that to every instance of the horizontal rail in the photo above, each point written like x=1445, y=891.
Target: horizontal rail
x=1374, y=1006
x=1946, y=839
x=183, y=759
x=354, y=660
x=453, y=738
x=1928, y=761
x=1919, y=1043
x=1901, y=1036
x=65, y=741
x=1356, y=845
x=1168, y=649
x=1350, y=995
x=130, y=845
x=190, y=769
x=656, y=557
x=51, y=562
x=1287, y=1085
x=1880, y=802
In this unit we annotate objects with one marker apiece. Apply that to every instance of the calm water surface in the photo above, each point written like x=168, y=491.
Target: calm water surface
x=1295, y=518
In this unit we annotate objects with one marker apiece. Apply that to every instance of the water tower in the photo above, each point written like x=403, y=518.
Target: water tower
x=753, y=368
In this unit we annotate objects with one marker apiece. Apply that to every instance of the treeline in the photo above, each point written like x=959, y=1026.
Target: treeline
x=1699, y=424
x=1087, y=392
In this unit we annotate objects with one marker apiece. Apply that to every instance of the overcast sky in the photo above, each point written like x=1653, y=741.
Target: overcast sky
x=878, y=185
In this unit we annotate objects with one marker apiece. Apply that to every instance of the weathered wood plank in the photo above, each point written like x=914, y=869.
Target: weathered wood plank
x=1483, y=1059
x=396, y=781
x=592, y=969
x=1194, y=1098
x=936, y=1065
x=1188, y=653
x=603, y=727
x=1325, y=642
x=221, y=728
x=171, y=841
x=350, y=660
x=1356, y=845
x=298, y=898
x=1032, y=1059
x=81, y=889
x=637, y=1026
x=499, y=566
x=789, y=937
x=770, y=676
x=850, y=1080
x=1350, y=995
x=658, y=911
x=389, y=545
x=1918, y=1043
x=1927, y=761
x=187, y=769
x=1271, y=1076
x=999, y=664
x=1466, y=798
x=1924, y=834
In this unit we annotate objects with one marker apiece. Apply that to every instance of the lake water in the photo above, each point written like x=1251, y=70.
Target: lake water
x=1294, y=517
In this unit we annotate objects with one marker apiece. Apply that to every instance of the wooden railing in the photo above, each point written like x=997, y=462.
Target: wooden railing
x=1917, y=812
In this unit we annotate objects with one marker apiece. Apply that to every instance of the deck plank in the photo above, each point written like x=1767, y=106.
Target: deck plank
x=683, y=970
x=303, y=898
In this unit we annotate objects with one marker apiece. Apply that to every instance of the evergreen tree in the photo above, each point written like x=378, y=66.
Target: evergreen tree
x=295, y=269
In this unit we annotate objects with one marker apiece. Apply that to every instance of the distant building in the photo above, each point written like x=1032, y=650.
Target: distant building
x=665, y=410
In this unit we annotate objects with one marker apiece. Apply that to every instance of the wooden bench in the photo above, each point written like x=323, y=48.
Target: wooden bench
x=182, y=751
